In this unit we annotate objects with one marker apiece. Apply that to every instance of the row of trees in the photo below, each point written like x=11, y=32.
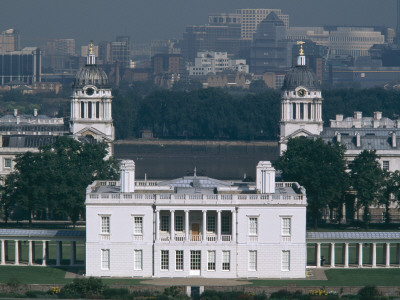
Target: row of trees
x=321, y=168
x=221, y=114
x=51, y=183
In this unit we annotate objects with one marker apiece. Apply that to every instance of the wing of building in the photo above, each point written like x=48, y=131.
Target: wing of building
x=196, y=226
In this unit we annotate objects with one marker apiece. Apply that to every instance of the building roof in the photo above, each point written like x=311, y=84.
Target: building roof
x=300, y=76
x=28, y=141
x=91, y=75
x=43, y=233
x=353, y=235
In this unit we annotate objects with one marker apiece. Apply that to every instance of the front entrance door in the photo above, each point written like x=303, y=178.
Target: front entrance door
x=195, y=262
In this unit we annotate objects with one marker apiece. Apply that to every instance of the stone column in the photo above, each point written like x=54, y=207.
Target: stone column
x=318, y=254
x=59, y=253
x=373, y=254
x=187, y=225
x=44, y=257
x=204, y=225
x=157, y=225
x=346, y=255
x=219, y=226
x=3, y=252
x=234, y=225
x=387, y=265
x=72, y=251
x=16, y=256
x=172, y=227
x=30, y=254
x=360, y=255
x=332, y=255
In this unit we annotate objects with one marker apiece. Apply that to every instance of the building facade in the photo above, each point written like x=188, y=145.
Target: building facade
x=10, y=40
x=213, y=62
x=196, y=226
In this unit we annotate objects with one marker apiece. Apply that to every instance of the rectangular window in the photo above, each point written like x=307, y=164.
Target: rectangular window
x=7, y=163
x=285, y=260
x=211, y=261
x=138, y=260
x=211, y=223
x=164, y=223
x=105, y=224
x=385, y=165
x=225, y=223
x=164, y=259
x=195, y=259
x=105, y=259
x=179, y=260
x=294, y=110
x=252, y=260
x=97, y=110
x=138, y=226
x=302, y=111
x=309, y=111
x=253, y=226
x=179, y=223
x=286, y=226
x=226, y=260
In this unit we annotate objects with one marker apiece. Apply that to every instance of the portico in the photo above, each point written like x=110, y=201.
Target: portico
x=205, y=225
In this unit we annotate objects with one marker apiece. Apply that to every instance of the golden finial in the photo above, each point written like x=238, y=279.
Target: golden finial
x=91, y=51
x=301, y=52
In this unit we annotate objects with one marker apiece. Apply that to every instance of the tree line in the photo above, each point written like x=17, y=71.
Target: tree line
x=222, y=114
x=322, y=169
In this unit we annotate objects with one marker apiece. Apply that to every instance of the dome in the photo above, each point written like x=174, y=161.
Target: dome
x=300, y=76
x=91, y=74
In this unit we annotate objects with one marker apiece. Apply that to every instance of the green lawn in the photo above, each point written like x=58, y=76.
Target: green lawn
x=341, y=277
x=29, y=275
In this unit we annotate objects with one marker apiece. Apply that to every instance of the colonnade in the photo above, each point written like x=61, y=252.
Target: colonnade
x=31, y=251
x=204, y=237
x=359, y=253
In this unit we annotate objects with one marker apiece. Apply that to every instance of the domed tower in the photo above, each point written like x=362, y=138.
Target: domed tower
x=91, y=103
x=301, y=103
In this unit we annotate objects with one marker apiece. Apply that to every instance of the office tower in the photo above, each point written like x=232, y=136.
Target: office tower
x=250, y=18
x=121, y=51
x=10, y=40
x=269, y=50
x=24, y=65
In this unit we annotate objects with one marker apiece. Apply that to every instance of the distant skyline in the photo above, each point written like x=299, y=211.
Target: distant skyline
x=144, y=20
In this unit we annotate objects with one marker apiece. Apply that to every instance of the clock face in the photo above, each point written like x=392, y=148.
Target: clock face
x=301, y=92
x=90, y=91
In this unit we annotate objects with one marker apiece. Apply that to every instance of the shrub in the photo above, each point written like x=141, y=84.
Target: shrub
x=83, y=287
x=39, y=294
x=368, y=292
x=114, y=293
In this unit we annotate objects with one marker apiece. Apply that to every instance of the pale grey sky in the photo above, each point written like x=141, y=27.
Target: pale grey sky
x=144, y=20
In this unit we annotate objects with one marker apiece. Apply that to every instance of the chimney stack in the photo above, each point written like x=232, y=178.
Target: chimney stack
x=127, y=176
x=265, y=178
x=35, y=112
x=15, y=112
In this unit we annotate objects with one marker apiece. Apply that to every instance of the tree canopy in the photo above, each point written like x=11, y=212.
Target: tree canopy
x=51, y=183
x=319, y=167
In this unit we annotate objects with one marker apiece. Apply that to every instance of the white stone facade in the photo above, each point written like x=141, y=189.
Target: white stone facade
x=196, y=226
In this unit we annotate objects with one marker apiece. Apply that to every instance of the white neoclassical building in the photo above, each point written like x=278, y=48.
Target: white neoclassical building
x=196, y=226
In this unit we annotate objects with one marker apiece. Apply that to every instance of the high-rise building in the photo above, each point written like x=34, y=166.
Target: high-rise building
x=64, y=47
x=10, y=40
x=105, y=52
x=121, y=51
x=251, y=17
x=269, y=50
x=24, y=65
x=167, y=63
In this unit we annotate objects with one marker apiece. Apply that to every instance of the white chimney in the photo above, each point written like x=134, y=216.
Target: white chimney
x=358, y=115
x=338, y=137
x=339, y=118
x=35, y=112
x=394, y=139
x=377, y=115
x=265, y=181
x=358, y=140
x=15, y=112
x=127, y=176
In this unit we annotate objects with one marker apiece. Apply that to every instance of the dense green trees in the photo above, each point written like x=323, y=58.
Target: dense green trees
x=51, y=184
x=320, y=168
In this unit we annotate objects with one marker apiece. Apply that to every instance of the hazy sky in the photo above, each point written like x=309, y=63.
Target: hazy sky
x=144, y=20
